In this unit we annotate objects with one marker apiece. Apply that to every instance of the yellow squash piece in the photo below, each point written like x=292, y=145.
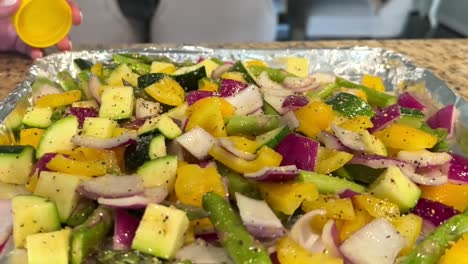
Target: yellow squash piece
x=374, y=82
x=287, y=197
x=251, y=63
x=162, y=67
x=236, y=76
x=398, y=136
x=290, y=252
x=409, y=226
x=96, y=69
x=457, y=253
x=208, y=85
x=193, y=181
x=329, y=160
x=455, y=195
x=314, y=117
x=359, y=123
x=61, y=99
x=82, y=168
x=31, y=136
x=266, y=157
x=167, y=91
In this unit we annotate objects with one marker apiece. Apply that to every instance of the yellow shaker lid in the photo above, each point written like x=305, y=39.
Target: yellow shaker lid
x=43, y=23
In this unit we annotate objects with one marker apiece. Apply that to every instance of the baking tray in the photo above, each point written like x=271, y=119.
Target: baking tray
x=350, y=63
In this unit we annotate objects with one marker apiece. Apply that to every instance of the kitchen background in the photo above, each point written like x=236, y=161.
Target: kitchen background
x=205, y=21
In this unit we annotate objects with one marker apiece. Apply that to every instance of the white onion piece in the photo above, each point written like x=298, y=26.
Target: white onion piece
x=6, y=221
x=229, y=146
x=280, y=173
x=246, y=101
x=268, y=86
x=144, y=108
x=200, y=252
x=93, y=87
x=216, y=74
x=197, y=141
x=376, y=242
x=131, y=202
x=156, y=194
x=430, y=177
x=330, y=238
x=323, y=78
x=257, y=112
x=424, y=158
x=111, y=186
x=350, y=139
x=258, y=217
x=302, y=233
x=276, y=102
x=105, y=143
x=300, y=85
x=289, y=119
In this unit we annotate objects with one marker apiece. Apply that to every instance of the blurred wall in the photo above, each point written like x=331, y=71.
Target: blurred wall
x=453, y=13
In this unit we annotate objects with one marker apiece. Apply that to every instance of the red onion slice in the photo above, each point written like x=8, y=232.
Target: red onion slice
x=330, y=238
x=6, y=222
x=302, y=233
x=445, y=118
x=201, y=252
x=93, y=87
x=131, y=202
x=125, y=226
x=274, y=174
x=300, y=85
x=111, y=186
x=331, y=142
x=193, y=96
x=433, y=211
x=385, y=118
x=376, y=242
x=294, y=102
x=197, y=142
x=407, y=100
x=458, y=170
x=105, y=143
x=258, y=218
x=246, y=101
x=289, y=119
x=270, y=87
x=82, y=113
x=229, y=146
x=216, y=74
x=230, y=87
x=348, y=193
x=377, y=161
x=349, y=138
x=424, y=158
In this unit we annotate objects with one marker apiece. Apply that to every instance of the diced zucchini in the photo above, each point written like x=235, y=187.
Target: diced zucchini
x=122, y=72
x=210, y=66
x=60, y=188
x=99, y=127
x=16, y=163
x=66, y=81
x=58, y=136
x=40, y=117
x=117, y=103
x=239, y=66
x=49, y=248
x=8, y=191
x=138, y=63
x=328, y=184
x=31, y=215
x=189, y=76
x=163, y=124
x=160, y=172
x=272, y=138
x=137, y=154
x=157, y=147
x=166, y=225
x=350, y=105
x=162, y=67
x=167, y=91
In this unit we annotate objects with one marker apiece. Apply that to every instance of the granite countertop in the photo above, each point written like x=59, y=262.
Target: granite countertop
x=446, y=58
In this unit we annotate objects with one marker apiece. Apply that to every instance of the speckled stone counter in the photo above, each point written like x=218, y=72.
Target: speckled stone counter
x=448, y=59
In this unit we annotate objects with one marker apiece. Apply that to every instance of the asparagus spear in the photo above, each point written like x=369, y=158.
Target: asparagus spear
x=240, y=245
x=433, y=246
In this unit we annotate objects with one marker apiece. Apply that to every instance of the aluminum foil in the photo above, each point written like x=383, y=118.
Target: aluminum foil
x=350, y=63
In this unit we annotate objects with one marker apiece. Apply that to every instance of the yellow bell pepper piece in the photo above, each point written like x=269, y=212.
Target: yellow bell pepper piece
x=236, y=76
x=167, y=91
x=31, y=136
x=208, y=113
x=162, y=67
x=61, y=99
x=314, y=117
x=32, y=182
x=251, y=63
x=208, y=85
x=329, y=160
x=290, y=252
x=454, y=195
x=265, y=157
x=457, y=253
x=377, y=207
x=108, y=158
x=359, y=123
x=96, y=69
x=398, y=136
x=193, y=181
x=244, y=144
x=409, y=226
x=374, y=82
x=62, y=164
x=287, y=197
x=297, y=66
x=337, y=208
x=348, y=227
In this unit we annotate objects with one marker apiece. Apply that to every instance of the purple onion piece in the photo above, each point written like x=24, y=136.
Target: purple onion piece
x=137, y=123
x=42, y=162
x=444, y=118
x=111, y=186
x=209, y=237
x=274, y=258
x=82, y=113
x=294, y=102
x=274, y=174
x=409, y=101
x=347, y=193
x=126, y=138
x=298, y=150
x=377, y=161
x=131, y=202
x=125, y=226
x=458, y=170
x=265, y=232
x=385, y=118
x=433, y=211
x=194, y=96
x=230, y=87
x=331, y=141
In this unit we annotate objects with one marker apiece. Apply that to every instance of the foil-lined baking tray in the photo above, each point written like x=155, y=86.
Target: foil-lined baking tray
x=350, y=63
